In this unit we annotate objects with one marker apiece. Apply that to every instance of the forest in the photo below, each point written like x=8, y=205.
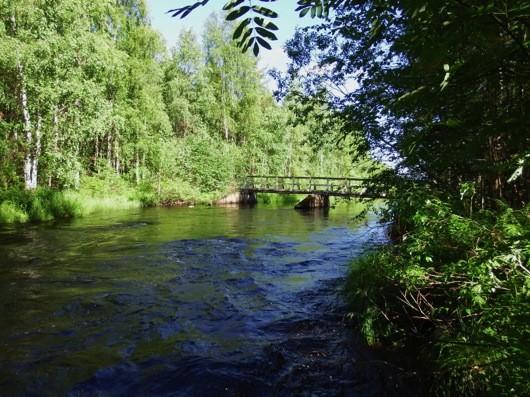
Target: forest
x=95, y=112
x=92, y=107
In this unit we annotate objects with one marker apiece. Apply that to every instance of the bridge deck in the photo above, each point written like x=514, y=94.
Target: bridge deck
x=341, y=187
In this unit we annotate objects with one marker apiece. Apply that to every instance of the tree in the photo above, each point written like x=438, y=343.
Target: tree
x=443, y=86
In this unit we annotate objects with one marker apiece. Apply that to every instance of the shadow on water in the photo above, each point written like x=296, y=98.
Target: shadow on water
x=185, y=302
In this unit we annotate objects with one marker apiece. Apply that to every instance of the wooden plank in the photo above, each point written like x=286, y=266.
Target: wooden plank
x=307, y=177
x=331, y=186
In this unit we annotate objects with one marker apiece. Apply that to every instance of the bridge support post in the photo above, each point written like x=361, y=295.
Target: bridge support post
x=241, y=197
x=313, y=201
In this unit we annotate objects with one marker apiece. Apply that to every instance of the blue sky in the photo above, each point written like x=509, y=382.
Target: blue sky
x=171, y=27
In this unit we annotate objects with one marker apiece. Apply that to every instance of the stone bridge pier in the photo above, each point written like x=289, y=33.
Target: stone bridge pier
x=313, y=201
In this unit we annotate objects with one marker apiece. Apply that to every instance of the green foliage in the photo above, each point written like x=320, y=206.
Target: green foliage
x=208, y=164
x=19, y=206
x=254, y=31
x=438, y=88
x=279, y=199
x=11, y=213
x=461, y=284
x=106, y=191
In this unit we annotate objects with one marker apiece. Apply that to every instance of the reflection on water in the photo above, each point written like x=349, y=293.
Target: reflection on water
x=183, y=302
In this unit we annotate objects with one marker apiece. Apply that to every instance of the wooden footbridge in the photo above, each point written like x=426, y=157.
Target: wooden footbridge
x=311, y=185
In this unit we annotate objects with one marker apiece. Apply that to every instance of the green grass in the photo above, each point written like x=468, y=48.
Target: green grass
x=90, y=202
x=19, y=206
x=12, y=213
x=97, y=194
x=41, y=205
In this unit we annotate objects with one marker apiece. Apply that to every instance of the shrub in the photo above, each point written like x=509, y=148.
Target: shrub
x=208, y=164
x=279, y=199
x=11, y=213
x=459, y=287
x=39, y=205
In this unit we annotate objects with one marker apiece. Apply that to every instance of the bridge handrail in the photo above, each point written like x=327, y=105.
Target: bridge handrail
x=335, y=186
x=306, y=177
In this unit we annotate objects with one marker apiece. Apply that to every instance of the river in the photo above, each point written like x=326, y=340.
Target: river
x=184, y=302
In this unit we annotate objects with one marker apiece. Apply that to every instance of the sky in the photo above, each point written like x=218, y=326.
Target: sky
x=170, y=27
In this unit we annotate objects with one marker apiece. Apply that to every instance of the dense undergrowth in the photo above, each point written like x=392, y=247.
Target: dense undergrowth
x=96, y=194
x=18, y=206
x=456, y=291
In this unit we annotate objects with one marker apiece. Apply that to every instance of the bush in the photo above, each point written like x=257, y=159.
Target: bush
x=279, y=199
x=11, y=213
x=208, y=164
x=39, y=205
x=458, y=287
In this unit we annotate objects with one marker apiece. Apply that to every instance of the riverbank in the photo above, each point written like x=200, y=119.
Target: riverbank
x=455, y=291
x=96, y=194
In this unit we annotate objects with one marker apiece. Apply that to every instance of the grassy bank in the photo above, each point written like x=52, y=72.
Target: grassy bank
x=457, y=290
x=19, y=206
x=98, y=193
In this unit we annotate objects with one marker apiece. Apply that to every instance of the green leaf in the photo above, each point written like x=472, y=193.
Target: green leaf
x=261, y=22
x=263, y=43
x=304, y=12
x=241, y=27
x=237, y=13
x=232, y=4
x=265, y=11
x=249, y=44
x=271, y=26
x=265, y=33
x=245, y=37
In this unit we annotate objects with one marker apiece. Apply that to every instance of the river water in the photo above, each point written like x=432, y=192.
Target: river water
x=184, y=302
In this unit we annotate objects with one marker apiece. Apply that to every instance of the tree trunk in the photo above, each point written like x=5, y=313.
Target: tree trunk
x=96, y=153
x=30, y=160
x=109, y=148
x=55, y=141
x=117, y=157
x=223, y=103
x=142, y=174
x=137, y=167
x=36, y=154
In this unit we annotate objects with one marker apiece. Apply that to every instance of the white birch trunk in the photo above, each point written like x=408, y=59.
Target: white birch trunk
x=109, y=148
x=35, y=155
x=96, y=153
x=28, y=133
x=55, y=140
x=137, y=167
x=117, y=157
x=142, y=175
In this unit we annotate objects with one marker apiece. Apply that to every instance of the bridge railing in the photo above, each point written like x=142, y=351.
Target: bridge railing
x=304, y=184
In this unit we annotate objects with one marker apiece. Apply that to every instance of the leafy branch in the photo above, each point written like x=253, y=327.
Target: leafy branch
x=256, y=28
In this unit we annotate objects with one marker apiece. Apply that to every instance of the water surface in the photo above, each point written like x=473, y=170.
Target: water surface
x=183, y=302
